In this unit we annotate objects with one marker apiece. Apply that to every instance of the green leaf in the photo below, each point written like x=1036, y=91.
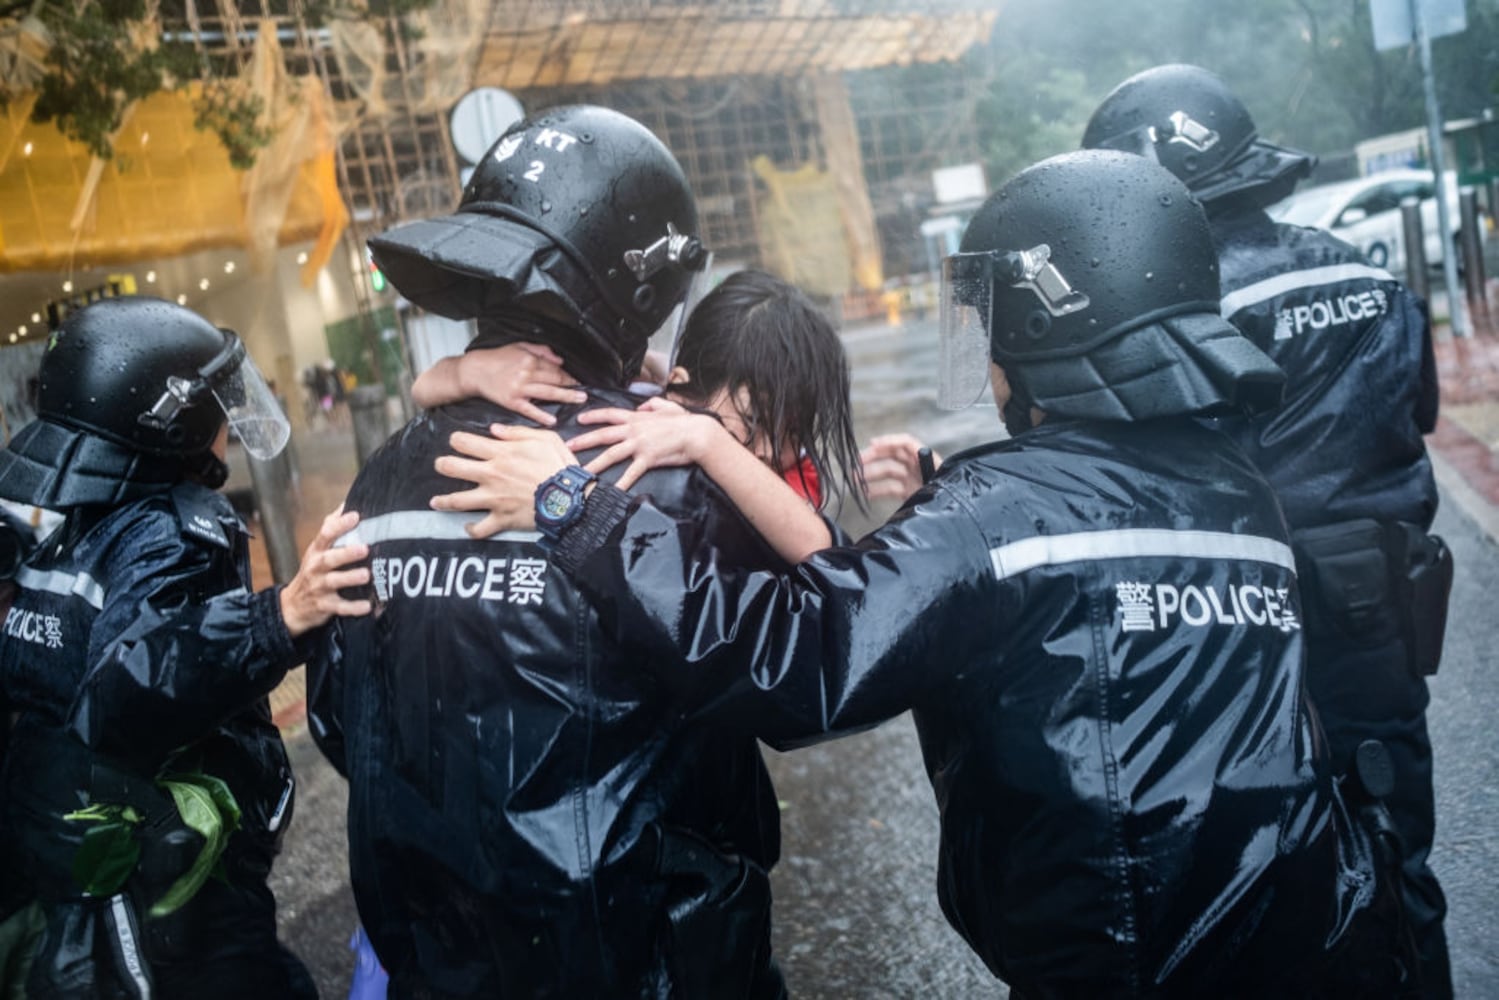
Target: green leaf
x=207, y=806
x=223, y=798
x=105, y=858
x=196, y=806
x=108, y=852
x=103, y=812
x=96, y=812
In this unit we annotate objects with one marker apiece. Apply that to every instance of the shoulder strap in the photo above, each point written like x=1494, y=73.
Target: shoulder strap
x=203, y=514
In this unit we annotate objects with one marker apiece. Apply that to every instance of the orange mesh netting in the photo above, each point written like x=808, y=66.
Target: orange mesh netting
x=293, y=182
x=170, y=188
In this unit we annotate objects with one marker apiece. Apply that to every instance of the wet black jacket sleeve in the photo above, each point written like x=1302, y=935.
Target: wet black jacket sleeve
x=870, y=618
x=180, y=644
x=325, y=682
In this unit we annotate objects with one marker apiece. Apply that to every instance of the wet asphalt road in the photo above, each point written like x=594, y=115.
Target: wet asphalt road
x=856, y=912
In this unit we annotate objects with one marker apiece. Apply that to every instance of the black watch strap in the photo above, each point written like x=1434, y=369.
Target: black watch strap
x=606, y=508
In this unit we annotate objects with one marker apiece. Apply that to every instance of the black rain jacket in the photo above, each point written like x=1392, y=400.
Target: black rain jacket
x=1361, y=380
x=531, y=813
x=134, y=647
x=1096, y=626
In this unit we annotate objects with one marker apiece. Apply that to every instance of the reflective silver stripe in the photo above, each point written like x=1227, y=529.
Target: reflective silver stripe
x=63, y=584
x=407, y=525
x=1083, y=546
x=280, y=811
x=135, y=965
x=1291, y=281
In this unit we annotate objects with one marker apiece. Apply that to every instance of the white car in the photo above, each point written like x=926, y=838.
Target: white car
x=1366, y=213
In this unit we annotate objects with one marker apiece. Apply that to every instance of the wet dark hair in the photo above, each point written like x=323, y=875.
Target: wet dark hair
x=759, y=333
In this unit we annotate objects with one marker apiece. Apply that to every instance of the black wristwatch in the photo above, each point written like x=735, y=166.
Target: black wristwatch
x=559, y=500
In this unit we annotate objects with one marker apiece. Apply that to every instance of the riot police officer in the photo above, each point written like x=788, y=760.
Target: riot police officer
x=531, y=815
x=145, y=788
x=1344, y=451
x=1095, y=623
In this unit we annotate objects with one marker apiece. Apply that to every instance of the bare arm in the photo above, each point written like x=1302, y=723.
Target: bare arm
x=515, y=376
x=661, y=433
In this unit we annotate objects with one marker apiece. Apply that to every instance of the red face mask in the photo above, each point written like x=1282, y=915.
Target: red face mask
x=802, y=478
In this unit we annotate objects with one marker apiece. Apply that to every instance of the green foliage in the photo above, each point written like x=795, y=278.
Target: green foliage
x=109, y=850
x=94, y=71
x=97, y=67
x=208, y=807
x=234, y=116
x=397, y=8
x=317, y=13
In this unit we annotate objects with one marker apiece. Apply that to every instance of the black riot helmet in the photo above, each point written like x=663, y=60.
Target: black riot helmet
x=579, y=215
x=131, y=395
x=1091, y=279
x=1186, y=119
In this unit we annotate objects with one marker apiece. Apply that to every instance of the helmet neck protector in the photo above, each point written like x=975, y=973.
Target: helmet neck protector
x=1094, y=277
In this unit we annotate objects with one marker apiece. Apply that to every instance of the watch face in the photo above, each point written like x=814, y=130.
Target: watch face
x=555, y=502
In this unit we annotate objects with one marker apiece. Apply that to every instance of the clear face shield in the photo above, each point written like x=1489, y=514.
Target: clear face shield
x=670, y=334
x=254, y=416
x=963, y=344
x=968, y=282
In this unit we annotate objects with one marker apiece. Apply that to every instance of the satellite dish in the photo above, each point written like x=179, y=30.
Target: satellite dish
x=479, y=118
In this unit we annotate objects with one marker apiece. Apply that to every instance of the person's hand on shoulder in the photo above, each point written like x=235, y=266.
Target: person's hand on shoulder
x=660, y=433
x=312, y=597
x=515, y=376
x=505, y=470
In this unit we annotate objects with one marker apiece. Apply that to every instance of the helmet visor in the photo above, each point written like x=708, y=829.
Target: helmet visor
x=699, y=284
x=251, y=408
x=1140, y=141
x=963, y=341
